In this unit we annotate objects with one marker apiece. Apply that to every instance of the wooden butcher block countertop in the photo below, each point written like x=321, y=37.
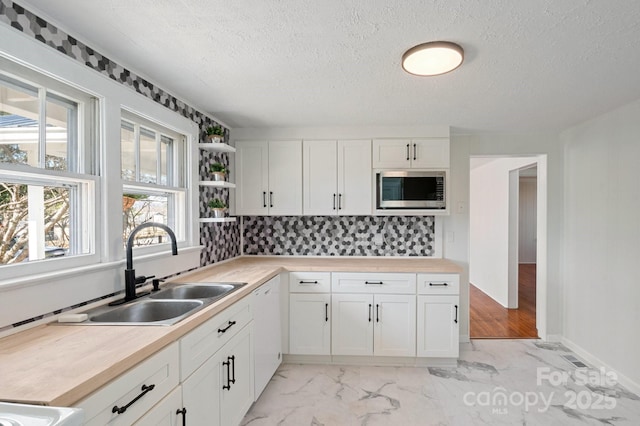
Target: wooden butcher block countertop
x=59, y=365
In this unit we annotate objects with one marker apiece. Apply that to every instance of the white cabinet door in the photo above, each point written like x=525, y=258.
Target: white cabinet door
x=354, y=177
x=320, y=174
x=252, y=184
x=424, y=153
x=430, y=153
x=352, y=328
x=267, y=337
x=236, y=362
x=285, y=178
x=394, y=325
x=438, y=326
x=310, y=324
x=201, y=394
x=168, y=412
x=391, y=153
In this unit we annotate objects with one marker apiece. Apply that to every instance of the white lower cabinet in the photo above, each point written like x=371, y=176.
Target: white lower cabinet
x=218, y=368
x=352, y=330
x=438, y=326
x=168, y=412
x=236, y=373
x=267, y=333
x=310, y=324
x=438, y=315
x=378, y=325
x=201, y=394
x=394, y=329
x=128, y=397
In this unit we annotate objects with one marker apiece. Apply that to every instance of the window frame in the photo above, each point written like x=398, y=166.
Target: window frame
x=179, y=197
x=81, y=160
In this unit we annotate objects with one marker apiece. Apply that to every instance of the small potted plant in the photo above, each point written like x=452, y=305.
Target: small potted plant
x=215, y=133
x=218, y=207
x=219, y=171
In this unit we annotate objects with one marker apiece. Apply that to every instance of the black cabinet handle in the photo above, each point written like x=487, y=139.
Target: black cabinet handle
x=184, y=415
x=145, y=389
x=228, y=364
x=233, y=368
x=326, y=312
x=270, y=198
x=264, y=199
x=456, y=318
x=374, y=282
x=415, y=150
x=369, y=312
x=377, y=313
x=339, y=201
x=224, y=330
x=307, y=282
x=408, y=158
x=438, y=284
x=334, y=201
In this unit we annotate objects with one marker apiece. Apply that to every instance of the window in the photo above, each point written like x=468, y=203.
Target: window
x=47, y=194
x=153, y=175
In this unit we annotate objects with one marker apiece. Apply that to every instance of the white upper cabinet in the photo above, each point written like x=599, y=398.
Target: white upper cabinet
x=337, y=177
x=269, y=178
x=320, y=177
x=354, y=177
x=424, y=153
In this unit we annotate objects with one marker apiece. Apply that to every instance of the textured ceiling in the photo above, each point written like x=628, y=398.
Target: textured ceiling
x=530, y=65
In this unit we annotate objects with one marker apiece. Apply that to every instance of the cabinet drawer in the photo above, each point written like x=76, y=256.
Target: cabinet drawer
x=160, y=370
x=351, y=282
x=197, y=346
x=309, y=282
x=438, y=284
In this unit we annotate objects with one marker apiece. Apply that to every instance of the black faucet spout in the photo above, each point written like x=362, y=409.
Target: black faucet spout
x=130, y=279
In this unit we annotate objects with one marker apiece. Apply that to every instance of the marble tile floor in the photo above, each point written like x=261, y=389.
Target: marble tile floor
x=496, y=382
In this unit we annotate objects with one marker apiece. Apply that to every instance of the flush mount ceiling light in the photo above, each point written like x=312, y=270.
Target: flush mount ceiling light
x=432, y=58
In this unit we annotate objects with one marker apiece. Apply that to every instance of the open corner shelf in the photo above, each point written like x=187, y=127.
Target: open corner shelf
x=220, y=147
x=217, y=220
x=217, y=183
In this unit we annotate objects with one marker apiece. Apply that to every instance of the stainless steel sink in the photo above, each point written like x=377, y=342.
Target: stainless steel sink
x=165, y=307
x=147, y=312
x=197, y=291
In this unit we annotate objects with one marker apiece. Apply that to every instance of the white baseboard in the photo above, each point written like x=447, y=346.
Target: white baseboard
x=370, y=360
x=597, y=363
x=556, y=338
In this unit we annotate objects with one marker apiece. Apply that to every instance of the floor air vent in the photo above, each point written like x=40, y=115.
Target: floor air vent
x=575, y=361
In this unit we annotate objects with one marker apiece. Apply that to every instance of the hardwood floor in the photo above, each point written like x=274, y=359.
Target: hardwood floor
x=488, y=319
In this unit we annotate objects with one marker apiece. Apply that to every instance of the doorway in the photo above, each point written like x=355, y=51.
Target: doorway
x=506, y=243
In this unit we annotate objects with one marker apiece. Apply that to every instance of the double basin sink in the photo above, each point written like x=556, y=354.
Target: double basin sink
x=165, y=307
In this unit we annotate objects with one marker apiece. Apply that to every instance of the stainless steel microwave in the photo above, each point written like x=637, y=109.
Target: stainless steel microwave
x=416, y=190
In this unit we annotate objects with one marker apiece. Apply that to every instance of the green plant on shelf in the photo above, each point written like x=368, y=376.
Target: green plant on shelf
x=217, y=203
x=215, y=131
x=218, y=168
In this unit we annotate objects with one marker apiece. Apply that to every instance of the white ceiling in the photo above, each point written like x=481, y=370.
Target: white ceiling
x=529, y=65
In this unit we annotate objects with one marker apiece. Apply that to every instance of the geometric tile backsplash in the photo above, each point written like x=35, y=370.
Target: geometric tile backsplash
x=339, y=235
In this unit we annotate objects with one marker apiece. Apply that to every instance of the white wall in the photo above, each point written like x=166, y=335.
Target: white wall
x=601, y=302
x=527, y=220
x=489, y=194
x=456, y=226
